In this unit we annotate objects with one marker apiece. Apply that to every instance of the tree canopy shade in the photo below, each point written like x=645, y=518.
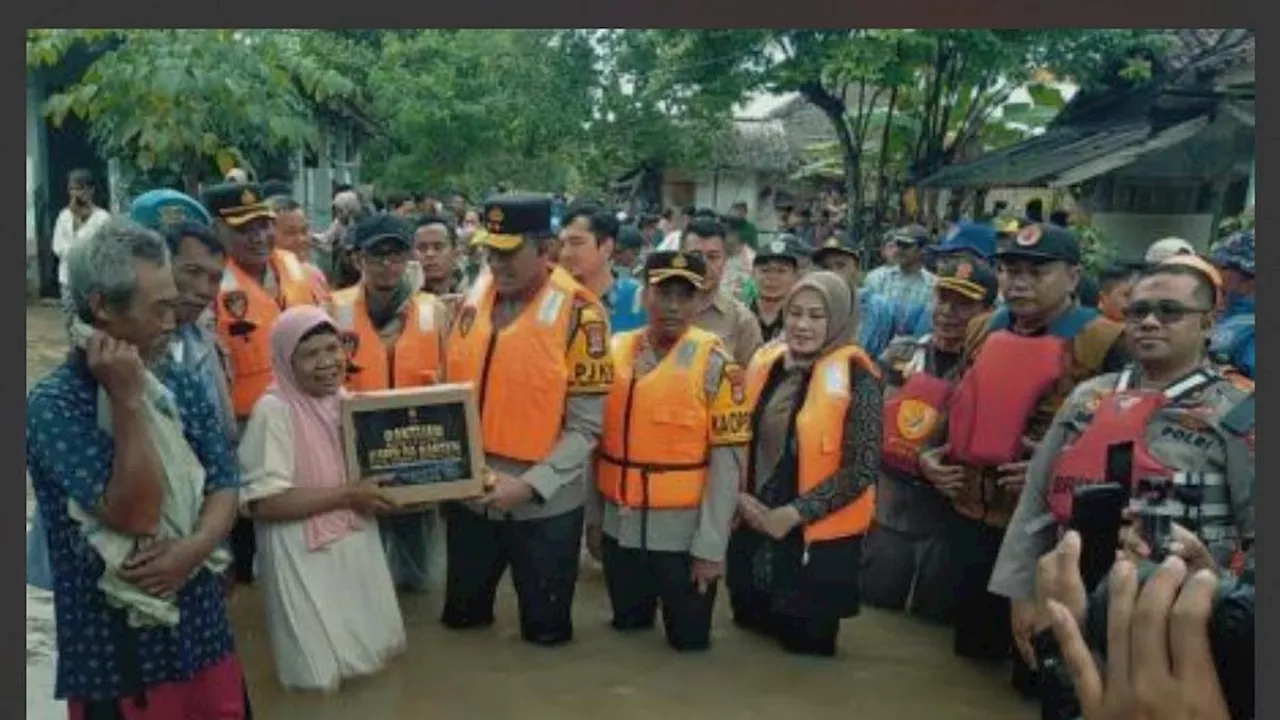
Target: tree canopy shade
x=183, y=99
x=564, y=109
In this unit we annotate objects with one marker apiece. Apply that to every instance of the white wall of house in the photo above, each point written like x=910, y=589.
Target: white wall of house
x=1132, y=233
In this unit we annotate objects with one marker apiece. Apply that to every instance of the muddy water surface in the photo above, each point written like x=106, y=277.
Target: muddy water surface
x=890, y=667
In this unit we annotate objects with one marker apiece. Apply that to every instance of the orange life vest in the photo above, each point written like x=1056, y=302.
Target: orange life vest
x=414, y=359
x=820, y=431
x=653, y=451
x=912, y=412
x=1009, y=377
x=244, y=315
x=520, y=372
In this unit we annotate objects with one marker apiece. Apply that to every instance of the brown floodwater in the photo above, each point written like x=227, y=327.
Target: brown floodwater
x=889, y=667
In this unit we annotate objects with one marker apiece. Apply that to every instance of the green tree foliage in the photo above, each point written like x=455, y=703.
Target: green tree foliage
x=470, y=109
x=177, y=100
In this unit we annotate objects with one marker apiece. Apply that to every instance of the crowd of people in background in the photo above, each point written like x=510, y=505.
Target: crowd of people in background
x=687, y=398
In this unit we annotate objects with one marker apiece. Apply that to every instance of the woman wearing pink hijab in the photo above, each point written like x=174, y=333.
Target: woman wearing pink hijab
x=331, y=606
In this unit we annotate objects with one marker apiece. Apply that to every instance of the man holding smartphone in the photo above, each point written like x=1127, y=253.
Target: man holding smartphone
x=1183, y=431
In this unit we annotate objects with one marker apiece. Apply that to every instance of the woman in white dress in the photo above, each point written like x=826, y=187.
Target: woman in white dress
x=331, y=606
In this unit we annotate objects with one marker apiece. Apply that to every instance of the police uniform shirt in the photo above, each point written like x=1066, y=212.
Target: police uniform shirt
x=734, y=324
x=1188, y=435
x=703, y=532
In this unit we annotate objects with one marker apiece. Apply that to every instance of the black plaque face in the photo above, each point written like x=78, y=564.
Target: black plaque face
x=414, y=446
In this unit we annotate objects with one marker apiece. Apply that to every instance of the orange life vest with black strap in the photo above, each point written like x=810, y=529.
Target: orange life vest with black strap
x=653, y=450
x=819, y=431
x=1120, y=418
x=1008, y=378
x=520, y=372
x=244, y=314
x=414, y=359
x=912, y=412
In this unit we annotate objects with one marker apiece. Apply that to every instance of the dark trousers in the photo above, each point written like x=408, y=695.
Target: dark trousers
x=814, y=635
x=638, y=579
x=982, y=619
x=916, y=573
x=243, y=548
x=543, y=556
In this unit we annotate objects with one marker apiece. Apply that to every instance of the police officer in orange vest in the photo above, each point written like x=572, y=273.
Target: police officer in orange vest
x=1188, y=429
x=906, y=558
x=535, y=345
x=1021, y=362
x=666, y=474
x=395, y=338
x=258, y=284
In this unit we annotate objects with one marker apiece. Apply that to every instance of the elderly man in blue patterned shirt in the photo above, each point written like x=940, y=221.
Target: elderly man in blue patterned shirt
x=108, y=431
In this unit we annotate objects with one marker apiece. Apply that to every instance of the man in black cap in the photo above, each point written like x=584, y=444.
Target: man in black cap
x=906, y=557
x=259, y=282
x=775, y=269
x=1015, y=379
x=840, y=254
x=668, y=542
x=535, y=344
x=395, y=337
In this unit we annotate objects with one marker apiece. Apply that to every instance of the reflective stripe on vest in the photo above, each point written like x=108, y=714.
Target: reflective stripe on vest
x=820, y=432
x=653, y=448
x=1121, y=418
x=520, y=372
x=413, y=361
x=244, y=314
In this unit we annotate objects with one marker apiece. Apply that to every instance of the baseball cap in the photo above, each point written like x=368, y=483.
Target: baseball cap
x=973, y=237
x=1163, y=249
x=160, y=209
x=840, y=242
x=783, y=247
x=975, y=281
x=508, y=217
x=664, y=265
x=910, y=235
x=381, y=227
x=1199, y=263
x=236, y=203
x=1042, y=242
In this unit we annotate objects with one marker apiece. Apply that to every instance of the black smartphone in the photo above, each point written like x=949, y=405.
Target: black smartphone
x=1097, y=512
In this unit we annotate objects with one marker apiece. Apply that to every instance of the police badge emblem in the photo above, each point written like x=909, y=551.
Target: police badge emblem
x=737, y=384
x=597, y=343
x=679, y=262
x=236, y=303
x=351, y=343
x=248, y=197
x=1028, y=236
x=964, y=271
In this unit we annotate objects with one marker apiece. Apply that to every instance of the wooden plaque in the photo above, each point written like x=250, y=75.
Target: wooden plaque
x=428, y=440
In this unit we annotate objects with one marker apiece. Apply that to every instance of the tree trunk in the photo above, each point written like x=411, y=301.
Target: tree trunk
x=882, y=174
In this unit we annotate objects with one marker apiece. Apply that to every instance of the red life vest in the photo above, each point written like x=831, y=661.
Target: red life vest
x=912, y=413
x=1121, y=417
x=1009, y=377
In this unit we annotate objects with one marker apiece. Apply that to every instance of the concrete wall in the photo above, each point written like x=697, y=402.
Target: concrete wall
x=1132, y=233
